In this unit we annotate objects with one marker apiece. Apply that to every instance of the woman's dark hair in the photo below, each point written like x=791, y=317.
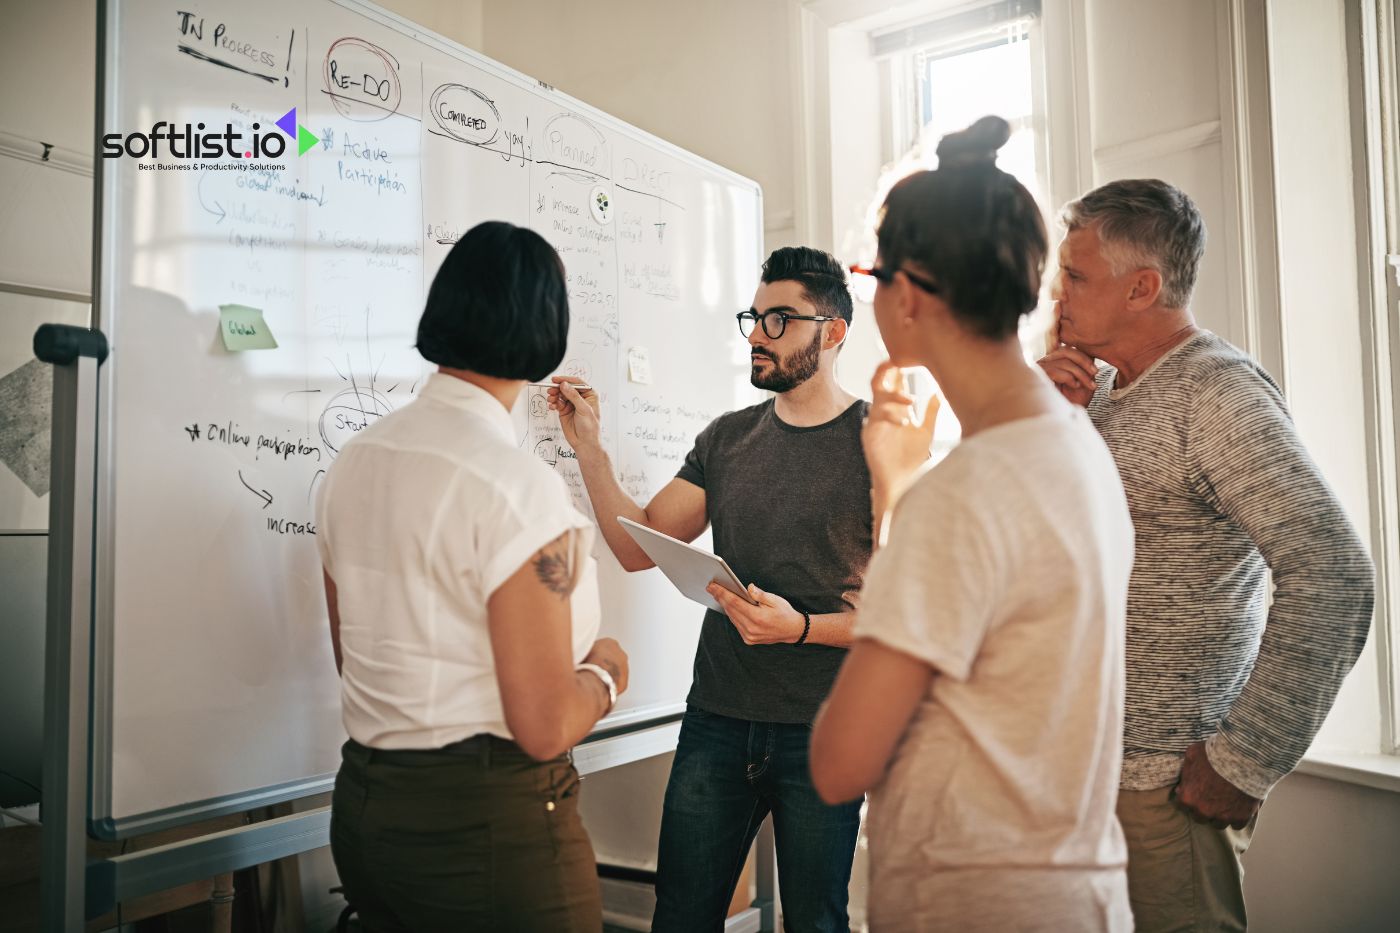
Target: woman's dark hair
x=972, y=229
x=499, y=305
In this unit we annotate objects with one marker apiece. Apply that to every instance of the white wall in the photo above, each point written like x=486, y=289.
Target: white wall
x=458, y=20
x=1324, y=858
x=1154, y=112
x=47, y=86
x=47, y=53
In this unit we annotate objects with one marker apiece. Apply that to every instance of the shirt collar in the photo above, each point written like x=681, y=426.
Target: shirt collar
x=460, y=394
x=1115, y=394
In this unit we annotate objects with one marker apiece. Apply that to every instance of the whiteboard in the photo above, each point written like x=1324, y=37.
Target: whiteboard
x=214, y=680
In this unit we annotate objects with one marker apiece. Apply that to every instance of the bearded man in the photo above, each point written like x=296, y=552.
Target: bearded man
x=785, y=488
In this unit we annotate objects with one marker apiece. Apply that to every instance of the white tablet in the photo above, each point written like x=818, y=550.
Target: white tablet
x=690, y=568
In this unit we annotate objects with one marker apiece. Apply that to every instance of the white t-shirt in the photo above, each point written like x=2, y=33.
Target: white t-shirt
x=1007, y=571
x=421, y=517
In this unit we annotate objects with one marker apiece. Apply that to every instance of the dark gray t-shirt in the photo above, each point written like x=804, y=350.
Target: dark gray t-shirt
x=790, y=509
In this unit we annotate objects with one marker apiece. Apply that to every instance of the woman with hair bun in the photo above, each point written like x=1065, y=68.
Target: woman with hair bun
x=982, y=704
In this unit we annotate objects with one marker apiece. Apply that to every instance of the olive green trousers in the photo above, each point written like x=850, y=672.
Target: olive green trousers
x=474, y=836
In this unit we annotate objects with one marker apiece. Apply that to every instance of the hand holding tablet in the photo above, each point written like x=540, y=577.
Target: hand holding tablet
x=690, y=568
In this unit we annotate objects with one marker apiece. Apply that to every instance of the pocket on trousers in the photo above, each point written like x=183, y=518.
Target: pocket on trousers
x=558, y=802
x=1154, y=822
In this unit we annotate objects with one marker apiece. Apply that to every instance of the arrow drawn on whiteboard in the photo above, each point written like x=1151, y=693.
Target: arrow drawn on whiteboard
x=199, y=188
x=264, y=495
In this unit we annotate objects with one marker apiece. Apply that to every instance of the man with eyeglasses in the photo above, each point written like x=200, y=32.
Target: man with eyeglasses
x=785, y=487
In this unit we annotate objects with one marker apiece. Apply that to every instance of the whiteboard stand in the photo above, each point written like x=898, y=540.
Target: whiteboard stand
x=137, y=874
x=75, y=354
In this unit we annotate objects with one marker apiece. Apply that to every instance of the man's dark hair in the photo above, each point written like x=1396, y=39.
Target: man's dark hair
x=971, y=228
x=822, y=278
x=499, y=305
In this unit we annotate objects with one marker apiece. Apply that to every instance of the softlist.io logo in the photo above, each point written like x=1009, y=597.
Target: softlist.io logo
x=191, y=142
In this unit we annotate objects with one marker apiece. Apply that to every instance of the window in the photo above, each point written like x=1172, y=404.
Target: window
x=1344, y=401
x=948, y=72
x=942, y=75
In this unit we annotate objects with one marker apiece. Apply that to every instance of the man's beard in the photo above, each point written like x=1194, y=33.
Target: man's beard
x=787, y=374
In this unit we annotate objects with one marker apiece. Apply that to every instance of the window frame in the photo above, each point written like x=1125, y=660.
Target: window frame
x=1375, y=67
x=905, y=50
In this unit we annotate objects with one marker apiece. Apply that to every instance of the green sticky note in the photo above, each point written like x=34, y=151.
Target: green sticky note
x=243, y=328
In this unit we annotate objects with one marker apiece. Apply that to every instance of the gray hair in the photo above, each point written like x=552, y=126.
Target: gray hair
x=1144, y=223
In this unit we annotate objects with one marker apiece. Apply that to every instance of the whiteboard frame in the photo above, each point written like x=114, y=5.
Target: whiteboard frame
x=102, y=824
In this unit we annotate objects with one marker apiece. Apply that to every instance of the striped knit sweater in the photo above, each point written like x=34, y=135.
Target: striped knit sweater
x=1222, y=493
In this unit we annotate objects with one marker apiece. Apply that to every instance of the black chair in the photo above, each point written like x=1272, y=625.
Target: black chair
x=342, y=924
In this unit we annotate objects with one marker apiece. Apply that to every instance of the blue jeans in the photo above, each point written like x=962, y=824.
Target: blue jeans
x=728, y=775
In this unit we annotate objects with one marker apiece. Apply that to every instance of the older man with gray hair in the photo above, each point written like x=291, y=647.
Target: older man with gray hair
x=1225, y=691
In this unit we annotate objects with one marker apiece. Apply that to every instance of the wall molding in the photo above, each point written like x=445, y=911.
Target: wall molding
x=36, y=291
x=1381, y=772
x=1160, y=144
x=1064, y=54
x=1251, y=240
x=811, y=106
x=34, y=150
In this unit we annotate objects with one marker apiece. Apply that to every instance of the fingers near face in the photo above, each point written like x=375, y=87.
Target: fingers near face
x=879, y=381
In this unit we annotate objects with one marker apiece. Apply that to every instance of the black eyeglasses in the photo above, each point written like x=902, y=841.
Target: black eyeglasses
x=774, y=322
x=886, y=275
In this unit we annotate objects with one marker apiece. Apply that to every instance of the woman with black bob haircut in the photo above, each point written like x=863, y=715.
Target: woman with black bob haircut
x=464, y=616
x=982, y=703
x=498, y=306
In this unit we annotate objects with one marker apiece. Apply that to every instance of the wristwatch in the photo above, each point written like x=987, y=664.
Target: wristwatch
x=605, y=677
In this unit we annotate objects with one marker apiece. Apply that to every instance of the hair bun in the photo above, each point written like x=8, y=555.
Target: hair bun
x=976, y=145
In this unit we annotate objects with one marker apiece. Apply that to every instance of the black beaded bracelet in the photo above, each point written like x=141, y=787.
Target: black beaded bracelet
x=806, y=628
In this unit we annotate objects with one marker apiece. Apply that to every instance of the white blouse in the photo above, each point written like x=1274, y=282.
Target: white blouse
x=421, y=517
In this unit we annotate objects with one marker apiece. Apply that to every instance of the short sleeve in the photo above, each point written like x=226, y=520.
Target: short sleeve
x=518, y=520
x=930, y=590
x=693, y=469
x=323, y=543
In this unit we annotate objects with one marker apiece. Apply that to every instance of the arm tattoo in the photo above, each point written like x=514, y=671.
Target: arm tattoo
x=552, y=566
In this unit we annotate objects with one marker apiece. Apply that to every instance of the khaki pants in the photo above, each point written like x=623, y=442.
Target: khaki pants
x=1182, y=875
x=476, y=836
